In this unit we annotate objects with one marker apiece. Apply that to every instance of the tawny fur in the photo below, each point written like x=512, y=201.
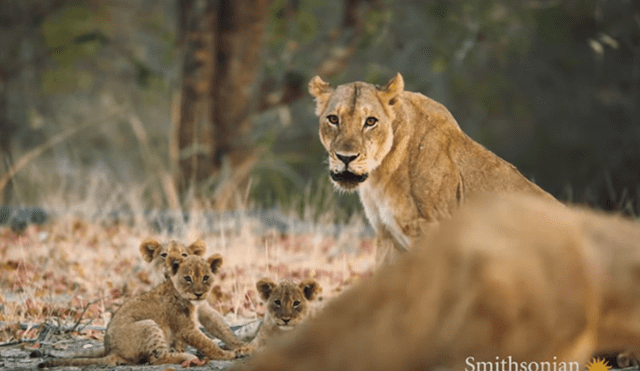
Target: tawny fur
x=155, y=326
x=509, y=275
x=288, y=304
x=407, y=157
x=154, y=252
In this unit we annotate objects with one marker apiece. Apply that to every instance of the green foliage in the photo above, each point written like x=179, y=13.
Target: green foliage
x=72, y=35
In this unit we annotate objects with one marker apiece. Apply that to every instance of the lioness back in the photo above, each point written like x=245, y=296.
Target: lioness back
x=407, y=158
x=508, y=278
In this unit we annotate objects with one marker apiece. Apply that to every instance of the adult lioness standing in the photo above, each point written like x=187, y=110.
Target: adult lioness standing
x=406, y=156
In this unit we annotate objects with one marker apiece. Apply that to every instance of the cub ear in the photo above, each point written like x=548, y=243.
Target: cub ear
x=215, y=261
x=173, y=263
x=148, y=248
x=265, y=287
x=197, y=248
x=311, y=288
x=320, y=90
x=394, y=87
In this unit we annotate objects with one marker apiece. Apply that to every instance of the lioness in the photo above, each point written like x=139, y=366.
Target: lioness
x=511, y=278
x=156, y=253
x=288, y=305
x=154, y=326
x=406, y=156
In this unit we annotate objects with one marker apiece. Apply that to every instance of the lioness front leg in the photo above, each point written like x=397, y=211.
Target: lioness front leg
x=387, y=249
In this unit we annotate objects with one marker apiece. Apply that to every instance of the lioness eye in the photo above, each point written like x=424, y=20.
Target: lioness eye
x=187, y=278
x=184, y=254
x=333, y=119
x=370, y=121
x=277, y=302
x=296, y=304
x=163, y=255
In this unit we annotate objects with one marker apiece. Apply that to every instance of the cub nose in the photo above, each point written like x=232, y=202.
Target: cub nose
x=198, y=294
x=286, y=320
x=346, y=159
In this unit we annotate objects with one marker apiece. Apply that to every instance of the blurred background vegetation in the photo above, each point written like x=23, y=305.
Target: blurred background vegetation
x=203, y=103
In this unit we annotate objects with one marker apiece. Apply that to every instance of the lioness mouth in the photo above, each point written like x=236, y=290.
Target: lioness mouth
x=348, y=177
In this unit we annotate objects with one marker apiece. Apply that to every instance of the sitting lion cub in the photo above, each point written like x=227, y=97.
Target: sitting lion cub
x=154, y=326
x=510, y=279
x=156, y=253
x=287, y=305
x=406, y=156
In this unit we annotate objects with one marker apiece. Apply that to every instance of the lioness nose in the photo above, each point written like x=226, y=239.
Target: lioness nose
x=346, y=159
x=286, y=320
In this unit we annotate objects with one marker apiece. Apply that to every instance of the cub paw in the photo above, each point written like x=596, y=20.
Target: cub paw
x=243, y=351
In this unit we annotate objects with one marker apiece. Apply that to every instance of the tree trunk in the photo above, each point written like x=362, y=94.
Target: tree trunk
x=195, y=132
x=222, y=48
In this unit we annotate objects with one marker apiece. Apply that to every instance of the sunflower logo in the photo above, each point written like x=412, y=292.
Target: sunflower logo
x=598, y=364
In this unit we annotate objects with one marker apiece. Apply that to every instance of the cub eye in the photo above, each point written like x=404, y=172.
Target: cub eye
x=296, y=303
x=205, y=278
x=333, y=119
x=163, y=255
x=277, y=302
x=184, y=254
x=370, y=121
x=188, y=279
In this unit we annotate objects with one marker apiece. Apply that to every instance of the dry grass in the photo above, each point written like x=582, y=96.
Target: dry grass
x=78, y=268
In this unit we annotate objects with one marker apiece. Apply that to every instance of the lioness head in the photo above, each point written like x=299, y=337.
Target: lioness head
x=192, y=276
x=287, y=302
x=355, y=126
x=156, y=253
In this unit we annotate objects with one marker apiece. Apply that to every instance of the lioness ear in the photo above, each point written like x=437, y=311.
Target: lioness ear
x=321, y=90
x=394, y=87
x=215, y=261
x=197, y=248
x=265, y=287
x=148, y=248
x=319, y=87
x=311, y=288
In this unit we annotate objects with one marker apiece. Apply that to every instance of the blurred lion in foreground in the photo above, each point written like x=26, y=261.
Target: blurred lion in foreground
x=509, y=277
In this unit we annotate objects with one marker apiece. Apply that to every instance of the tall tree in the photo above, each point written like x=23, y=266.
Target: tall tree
x=222, y=42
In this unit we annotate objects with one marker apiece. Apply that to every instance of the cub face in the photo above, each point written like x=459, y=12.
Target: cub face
x=355, y=127
x=156, y=253
x=287, y=302
x=192, y=276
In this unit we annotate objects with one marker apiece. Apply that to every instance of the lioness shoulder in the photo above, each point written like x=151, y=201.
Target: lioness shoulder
x=406, y=156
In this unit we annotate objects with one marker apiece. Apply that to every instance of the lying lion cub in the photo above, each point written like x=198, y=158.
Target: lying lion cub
x=154, y=327
x=288, y=304
x=406, y=156
x=156, y=253
x=511, y=278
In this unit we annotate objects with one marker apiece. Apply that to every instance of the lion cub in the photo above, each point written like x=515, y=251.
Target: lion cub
x=288, y=304
x=154, y=327
x=156, y=253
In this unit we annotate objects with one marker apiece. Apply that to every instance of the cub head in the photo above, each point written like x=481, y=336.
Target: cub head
x=355, y=126
x=156, y=253
x=287, y=302
x=192, y=276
